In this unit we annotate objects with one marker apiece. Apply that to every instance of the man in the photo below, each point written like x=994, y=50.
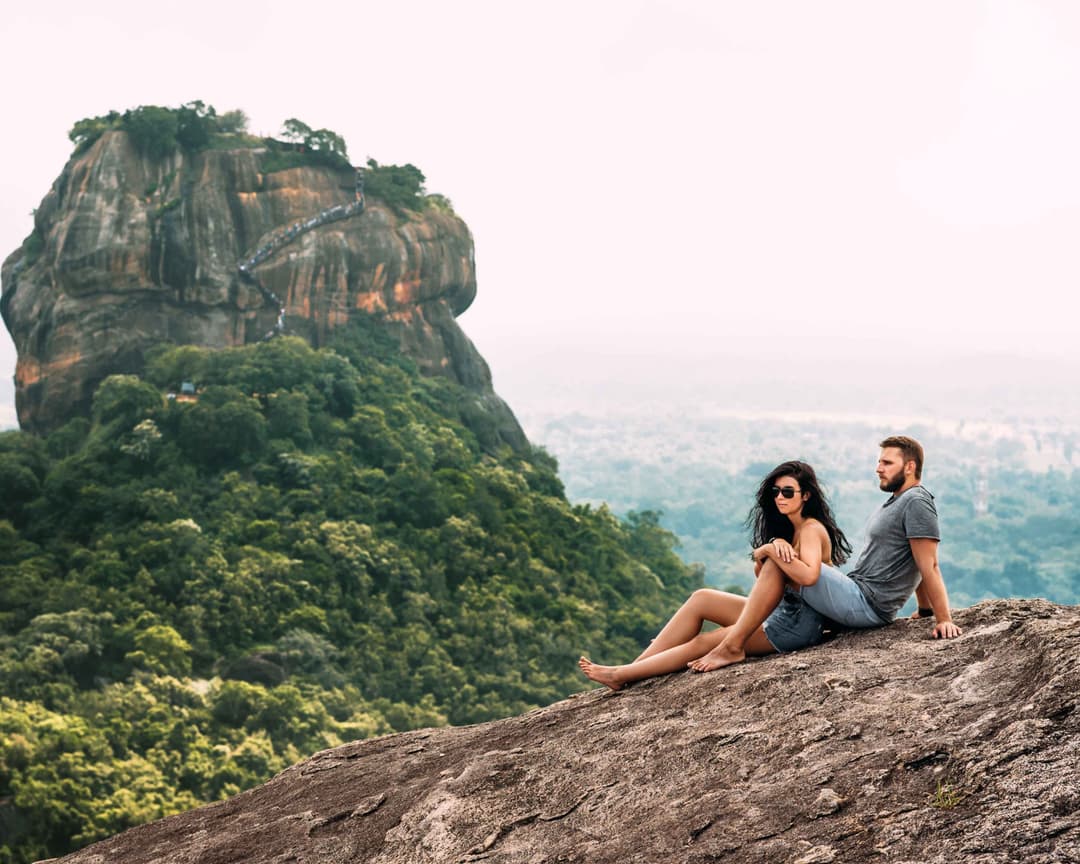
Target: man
x=900, y=557
x=899, y=471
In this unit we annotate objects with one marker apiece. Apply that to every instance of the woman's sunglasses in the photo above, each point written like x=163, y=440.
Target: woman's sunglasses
x=787, y=491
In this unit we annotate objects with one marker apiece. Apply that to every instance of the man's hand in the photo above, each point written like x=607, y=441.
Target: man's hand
x=946, y=630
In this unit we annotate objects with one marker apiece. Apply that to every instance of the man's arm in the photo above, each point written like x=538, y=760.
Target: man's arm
x=922, y=601
x=924, y=549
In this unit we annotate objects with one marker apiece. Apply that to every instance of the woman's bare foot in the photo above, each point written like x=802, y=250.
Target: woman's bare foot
x=719, y=657
x=606, y=675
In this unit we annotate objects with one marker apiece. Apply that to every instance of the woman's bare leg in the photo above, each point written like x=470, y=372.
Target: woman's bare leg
x=757, y=645
x=745, y=634
x=705, y=604
x=673, y=659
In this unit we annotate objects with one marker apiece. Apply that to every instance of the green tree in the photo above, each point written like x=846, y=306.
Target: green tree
x=153, y=129
x=86, y=131
x=287, y=418
x=326, y=141
x=295, y=130
x=232, y=122
x=223, y=428
x=125, y=400
x=162, y=650
x=194, y=123
x=20, y=487
x=400, y=186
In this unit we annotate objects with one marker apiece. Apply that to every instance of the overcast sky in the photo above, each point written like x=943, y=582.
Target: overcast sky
x=669, y=180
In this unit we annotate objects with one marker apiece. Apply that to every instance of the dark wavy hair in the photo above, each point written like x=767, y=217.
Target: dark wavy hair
x=765, y=521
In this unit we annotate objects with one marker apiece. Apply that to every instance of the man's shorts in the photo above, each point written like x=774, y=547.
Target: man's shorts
x=839, y=598
x=794, y=625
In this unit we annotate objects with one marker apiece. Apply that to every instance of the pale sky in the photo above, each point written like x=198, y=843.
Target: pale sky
x=677, y=180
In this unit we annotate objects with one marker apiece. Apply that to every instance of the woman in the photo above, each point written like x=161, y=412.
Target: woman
x=793, y=534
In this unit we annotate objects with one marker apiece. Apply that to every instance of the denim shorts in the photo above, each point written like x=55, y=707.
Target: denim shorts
x=840, y=598
x=794, y=624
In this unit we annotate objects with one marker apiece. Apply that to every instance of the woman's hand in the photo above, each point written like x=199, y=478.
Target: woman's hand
x=784, y=551
x=777, y=549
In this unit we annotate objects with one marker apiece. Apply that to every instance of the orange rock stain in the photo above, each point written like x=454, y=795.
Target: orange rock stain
x=378, y=280
x=30, y=370
x=407, y=290
x=371, y=302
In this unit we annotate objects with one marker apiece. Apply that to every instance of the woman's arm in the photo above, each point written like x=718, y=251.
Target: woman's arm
x=806, y=568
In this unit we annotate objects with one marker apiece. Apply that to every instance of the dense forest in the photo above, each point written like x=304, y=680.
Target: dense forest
x=319, y=546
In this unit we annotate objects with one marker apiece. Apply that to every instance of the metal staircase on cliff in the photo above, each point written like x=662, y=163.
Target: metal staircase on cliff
x=283, y=237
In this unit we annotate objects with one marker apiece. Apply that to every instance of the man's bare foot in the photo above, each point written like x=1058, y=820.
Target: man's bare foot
x=606, y=675
x=719, y=657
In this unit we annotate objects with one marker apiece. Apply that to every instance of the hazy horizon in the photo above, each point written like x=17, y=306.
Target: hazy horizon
x=822, y=198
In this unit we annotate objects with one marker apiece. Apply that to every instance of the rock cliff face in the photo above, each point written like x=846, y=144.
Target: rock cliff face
x=883, y=745
x=128, y=252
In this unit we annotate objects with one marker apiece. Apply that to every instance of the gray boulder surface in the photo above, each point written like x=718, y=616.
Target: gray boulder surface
x=881, y=745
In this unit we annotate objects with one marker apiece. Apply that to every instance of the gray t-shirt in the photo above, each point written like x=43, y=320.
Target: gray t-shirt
x=886, y=570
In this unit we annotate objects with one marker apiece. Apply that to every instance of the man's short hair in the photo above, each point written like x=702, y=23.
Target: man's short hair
x=911, y=449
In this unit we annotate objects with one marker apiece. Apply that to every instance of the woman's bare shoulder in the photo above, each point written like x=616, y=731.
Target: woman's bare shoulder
x=812, y=528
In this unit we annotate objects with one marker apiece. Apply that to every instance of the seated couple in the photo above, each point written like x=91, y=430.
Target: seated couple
x=799, y=592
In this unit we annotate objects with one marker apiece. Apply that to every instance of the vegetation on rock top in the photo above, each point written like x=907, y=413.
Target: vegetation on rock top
x=158, y=131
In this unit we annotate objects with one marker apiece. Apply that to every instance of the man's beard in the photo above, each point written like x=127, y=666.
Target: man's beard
x=893, y=483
